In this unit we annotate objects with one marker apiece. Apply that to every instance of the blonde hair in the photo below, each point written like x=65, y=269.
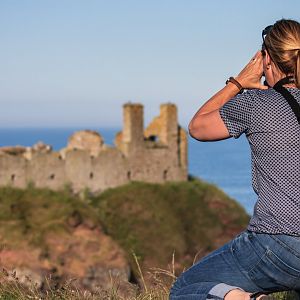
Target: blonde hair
x=283, y=44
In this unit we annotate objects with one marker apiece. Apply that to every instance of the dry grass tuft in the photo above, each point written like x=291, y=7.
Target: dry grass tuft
x=12, y=289
x=161, y=280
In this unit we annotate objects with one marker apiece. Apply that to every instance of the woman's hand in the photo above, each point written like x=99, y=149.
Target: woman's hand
x=250, y=76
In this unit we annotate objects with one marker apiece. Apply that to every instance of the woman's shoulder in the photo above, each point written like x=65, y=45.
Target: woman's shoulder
x=270, y=95
x=268, y=100
x=262, y=94
x=295, y=92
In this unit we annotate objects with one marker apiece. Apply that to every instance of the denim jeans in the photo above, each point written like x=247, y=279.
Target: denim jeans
x=253, y=262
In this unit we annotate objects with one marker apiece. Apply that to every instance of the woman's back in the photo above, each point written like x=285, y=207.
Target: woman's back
x=275, y=148
x=273, y=133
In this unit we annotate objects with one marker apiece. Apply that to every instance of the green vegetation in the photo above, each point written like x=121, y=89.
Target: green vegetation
x=32, y=213
x=151, y=220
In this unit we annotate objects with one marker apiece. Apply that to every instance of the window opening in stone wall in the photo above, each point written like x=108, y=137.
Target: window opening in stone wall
x=153, y=138
x=52, y=176
x=91, y=175
x=13, y=177
x=129, y=175
x=165, y=174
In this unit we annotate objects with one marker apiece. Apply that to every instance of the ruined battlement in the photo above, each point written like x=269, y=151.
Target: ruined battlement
x=157, y=154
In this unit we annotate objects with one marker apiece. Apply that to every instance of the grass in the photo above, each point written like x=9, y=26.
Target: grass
x=12, y=289
x=151, y=220
x=154, y=220
x=35, y=212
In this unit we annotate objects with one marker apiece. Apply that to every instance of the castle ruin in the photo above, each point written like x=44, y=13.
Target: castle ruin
x=155, y=154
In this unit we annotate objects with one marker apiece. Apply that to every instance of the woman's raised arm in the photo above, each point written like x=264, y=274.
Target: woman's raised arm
x=207, y=124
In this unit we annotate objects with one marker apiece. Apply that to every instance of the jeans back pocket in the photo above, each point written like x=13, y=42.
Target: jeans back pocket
x=274, y=273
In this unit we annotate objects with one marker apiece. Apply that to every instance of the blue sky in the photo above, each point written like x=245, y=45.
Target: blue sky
x=68, y=63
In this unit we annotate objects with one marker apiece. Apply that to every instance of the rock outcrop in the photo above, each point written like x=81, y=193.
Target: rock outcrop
x=45, y=233
x=85, y=254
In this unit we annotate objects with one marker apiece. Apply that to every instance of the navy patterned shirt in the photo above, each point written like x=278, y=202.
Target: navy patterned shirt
x=273, y=133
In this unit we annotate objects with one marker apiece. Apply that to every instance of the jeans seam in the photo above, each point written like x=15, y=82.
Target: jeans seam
x=264, y=255
x=260, y=260
x=242, y=271
x=294, y=277
x=283, y=244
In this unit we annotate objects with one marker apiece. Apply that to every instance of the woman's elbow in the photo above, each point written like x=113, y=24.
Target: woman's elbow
x=196, y=132
x=208, y=127
x=191, y=129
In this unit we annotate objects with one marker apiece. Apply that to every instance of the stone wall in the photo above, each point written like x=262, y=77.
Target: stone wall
x=155, y=154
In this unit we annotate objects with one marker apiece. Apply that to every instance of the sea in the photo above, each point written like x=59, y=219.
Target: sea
x=224, y=163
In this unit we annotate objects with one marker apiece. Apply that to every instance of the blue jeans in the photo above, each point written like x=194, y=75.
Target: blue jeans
x=252, y=262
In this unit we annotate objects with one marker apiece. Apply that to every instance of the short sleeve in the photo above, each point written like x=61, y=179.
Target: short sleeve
x=237, y=114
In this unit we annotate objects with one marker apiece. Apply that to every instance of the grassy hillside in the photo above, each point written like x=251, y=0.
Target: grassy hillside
x=29, y=215
x=155, y=220
x=150, y=220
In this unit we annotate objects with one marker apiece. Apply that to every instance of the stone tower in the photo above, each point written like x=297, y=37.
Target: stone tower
x=133, y=127
x=169, y=124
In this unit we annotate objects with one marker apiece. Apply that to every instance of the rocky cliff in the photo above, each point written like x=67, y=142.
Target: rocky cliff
x=91, y=239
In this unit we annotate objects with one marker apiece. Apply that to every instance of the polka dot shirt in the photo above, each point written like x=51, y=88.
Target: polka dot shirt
x=273, y=133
